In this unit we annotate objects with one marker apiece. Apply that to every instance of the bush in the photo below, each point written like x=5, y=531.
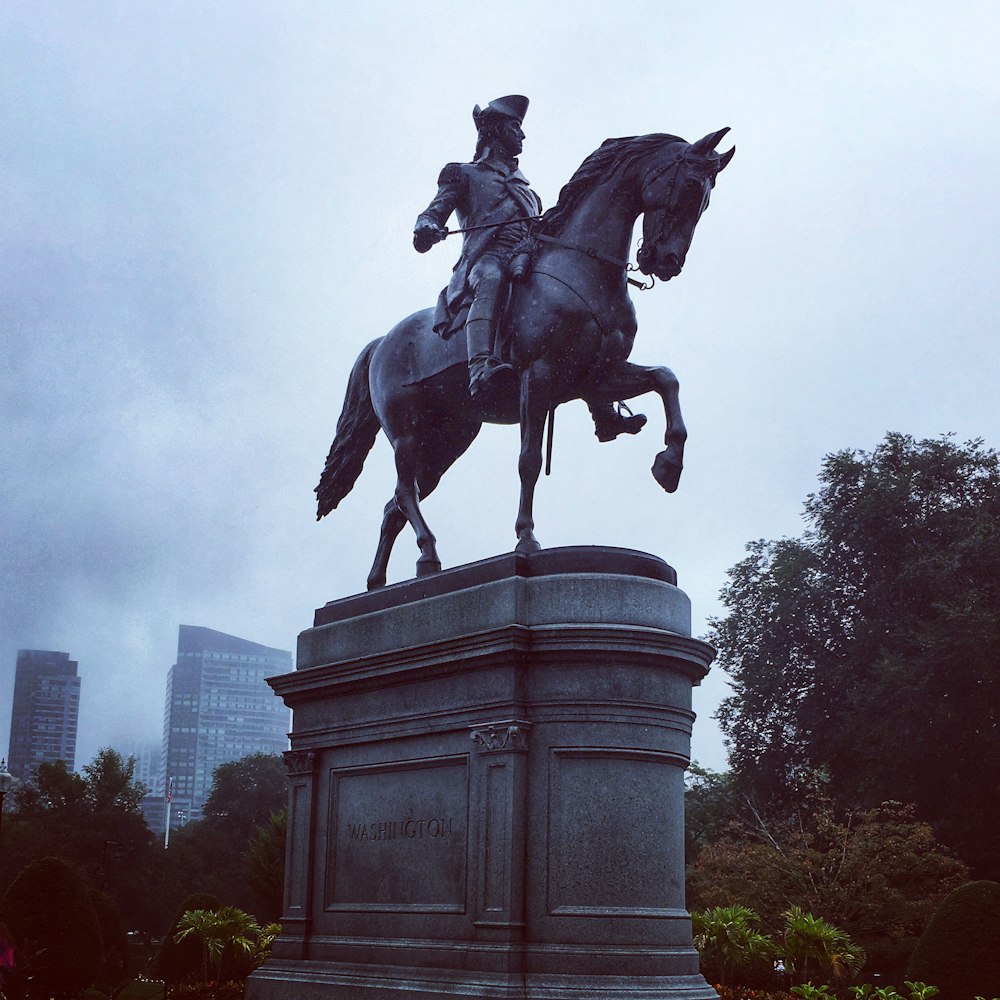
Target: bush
x=183, y=961
x=114, y=937
x=960, y=949
x=55, y=928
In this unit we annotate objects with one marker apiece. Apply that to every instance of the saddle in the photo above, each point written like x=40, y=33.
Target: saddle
x=430, y=359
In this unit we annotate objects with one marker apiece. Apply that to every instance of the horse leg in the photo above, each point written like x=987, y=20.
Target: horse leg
x=393, y=522
x=630, y=380
x=407, y=450
x=535, y=404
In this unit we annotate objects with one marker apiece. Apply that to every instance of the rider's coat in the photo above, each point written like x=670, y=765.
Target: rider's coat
x=487, y=191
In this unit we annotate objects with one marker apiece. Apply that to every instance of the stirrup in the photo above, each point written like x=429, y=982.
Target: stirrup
x=482, y=368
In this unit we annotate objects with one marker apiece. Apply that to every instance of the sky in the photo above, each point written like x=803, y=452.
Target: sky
x=207, y=213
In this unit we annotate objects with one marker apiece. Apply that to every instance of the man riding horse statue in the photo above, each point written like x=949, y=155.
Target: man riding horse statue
x=495, y=207
x=567, y=334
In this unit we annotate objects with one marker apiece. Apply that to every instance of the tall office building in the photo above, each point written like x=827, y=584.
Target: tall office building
x=218, y=709
x=45, y=712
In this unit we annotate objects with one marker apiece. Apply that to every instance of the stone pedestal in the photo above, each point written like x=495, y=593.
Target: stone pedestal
x=486, y=787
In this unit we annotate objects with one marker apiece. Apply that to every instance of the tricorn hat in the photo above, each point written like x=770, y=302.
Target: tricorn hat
x=513, y=106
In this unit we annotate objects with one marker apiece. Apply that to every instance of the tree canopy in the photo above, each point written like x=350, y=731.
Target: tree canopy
x=212, y=855
x=868, y=649
x=245, y=793
x=91, y=820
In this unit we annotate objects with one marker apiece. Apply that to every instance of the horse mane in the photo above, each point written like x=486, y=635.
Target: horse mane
x=613, y=156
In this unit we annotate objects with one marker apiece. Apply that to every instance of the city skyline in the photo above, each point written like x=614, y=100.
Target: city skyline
x=204, y=225
x=147, y=745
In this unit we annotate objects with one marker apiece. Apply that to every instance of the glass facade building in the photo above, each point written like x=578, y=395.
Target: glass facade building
x=219, y=708
x=45, y=712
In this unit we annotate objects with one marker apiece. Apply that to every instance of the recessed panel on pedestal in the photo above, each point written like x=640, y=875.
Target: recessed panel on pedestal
x=397, y=836
x=615, y=821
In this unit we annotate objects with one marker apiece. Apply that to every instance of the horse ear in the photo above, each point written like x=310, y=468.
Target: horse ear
x=725, y=158
x=709, y=142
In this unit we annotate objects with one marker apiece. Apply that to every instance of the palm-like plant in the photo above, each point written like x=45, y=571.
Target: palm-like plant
x=227, y=927
x=203, y=925
x=812, y=941
x=727, y=936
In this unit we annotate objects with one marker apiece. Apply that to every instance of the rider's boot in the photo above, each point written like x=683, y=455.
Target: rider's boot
x=484, y=366
x=610, y=421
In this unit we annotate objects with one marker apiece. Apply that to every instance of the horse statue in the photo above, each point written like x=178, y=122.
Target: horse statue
x=572, y=328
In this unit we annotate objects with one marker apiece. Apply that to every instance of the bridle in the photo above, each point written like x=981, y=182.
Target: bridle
x=670, y=218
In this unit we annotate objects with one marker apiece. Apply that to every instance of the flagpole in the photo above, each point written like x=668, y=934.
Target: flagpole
x=170, y=795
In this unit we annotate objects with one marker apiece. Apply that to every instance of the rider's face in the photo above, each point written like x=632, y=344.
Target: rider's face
x=509, y=137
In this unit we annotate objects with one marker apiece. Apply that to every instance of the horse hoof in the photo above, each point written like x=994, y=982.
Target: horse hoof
x=425, y=567
x=667, y=471
x=374, y=582
x=528, y=545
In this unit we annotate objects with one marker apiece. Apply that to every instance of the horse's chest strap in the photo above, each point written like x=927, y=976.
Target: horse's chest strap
x=594, y=254
x=591, y=252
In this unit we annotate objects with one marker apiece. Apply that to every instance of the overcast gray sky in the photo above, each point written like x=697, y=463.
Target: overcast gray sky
x=207, y=212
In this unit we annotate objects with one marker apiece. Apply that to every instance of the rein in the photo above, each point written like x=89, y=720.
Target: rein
x=595, y=254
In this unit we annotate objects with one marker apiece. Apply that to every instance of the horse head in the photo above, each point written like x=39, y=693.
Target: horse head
x=675, y=192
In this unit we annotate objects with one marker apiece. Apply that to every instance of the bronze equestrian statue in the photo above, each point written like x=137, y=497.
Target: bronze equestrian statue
x=572, y=327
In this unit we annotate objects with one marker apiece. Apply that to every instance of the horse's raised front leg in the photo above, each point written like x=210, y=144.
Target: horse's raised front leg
x=630, y=380
x=535, y=404
x=393, y=522
x=407, y=449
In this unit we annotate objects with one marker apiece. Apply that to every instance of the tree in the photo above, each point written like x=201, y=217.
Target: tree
x=264, y=865
x=863, y=649
x=711, y=805
x=209, y=856
x=878, y=874
x=93, y=821
x=111, y=784
x=245, y=794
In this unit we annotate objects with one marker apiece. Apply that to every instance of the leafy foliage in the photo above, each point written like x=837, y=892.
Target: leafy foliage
x=960, y=950
x=183, y=960
x=55, y=928
x=111, y=977
x=264, y=865
x=878, y=874
x=814, y=943
x=211, y=855
x=227, y=933
x=711, y=805
x=864, y=648
x=728, y=940
x=92, y=821
x=246, y=793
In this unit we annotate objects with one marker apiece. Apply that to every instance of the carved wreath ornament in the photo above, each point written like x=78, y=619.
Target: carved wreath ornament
x=495, y=738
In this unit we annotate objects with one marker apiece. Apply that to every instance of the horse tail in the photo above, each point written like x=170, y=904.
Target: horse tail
x=357, y=429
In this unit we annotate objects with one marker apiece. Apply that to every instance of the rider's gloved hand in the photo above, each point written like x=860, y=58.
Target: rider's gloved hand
x=426, y=235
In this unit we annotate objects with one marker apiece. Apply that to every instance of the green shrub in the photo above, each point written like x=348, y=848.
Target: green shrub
x=55, y=928
x=183, y=961
x=960, y=949
x=114, y=937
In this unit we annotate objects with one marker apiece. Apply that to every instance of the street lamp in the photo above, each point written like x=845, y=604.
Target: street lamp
x=6, y=780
